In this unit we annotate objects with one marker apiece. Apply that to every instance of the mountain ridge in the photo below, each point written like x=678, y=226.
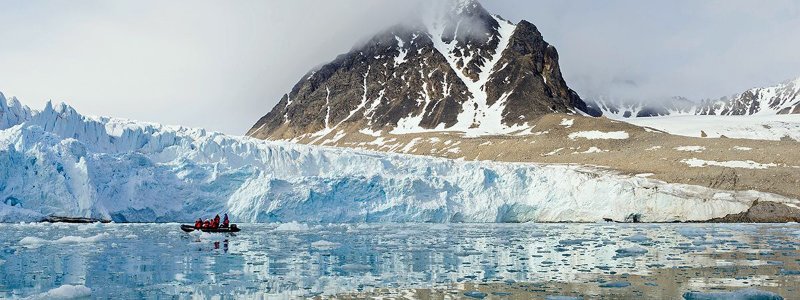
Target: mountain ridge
x=461, y=70
x=780, y=98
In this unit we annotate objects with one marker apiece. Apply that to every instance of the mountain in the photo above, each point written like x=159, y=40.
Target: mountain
x=779, y=99
x=59, y=162
x=617, y=109
x=783, y=98
x=458, y=68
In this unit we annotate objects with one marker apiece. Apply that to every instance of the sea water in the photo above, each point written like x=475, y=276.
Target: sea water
x=158, y=261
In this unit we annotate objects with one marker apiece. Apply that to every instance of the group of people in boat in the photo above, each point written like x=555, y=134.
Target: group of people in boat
x=213, y=223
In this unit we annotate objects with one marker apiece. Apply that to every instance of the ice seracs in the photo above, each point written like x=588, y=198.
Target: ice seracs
x=59, y=162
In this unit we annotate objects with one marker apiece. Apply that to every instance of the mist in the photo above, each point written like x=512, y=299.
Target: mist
x=653, y=50
x=222, y=65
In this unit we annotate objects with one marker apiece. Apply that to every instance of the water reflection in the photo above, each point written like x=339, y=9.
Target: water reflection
x=160, y=261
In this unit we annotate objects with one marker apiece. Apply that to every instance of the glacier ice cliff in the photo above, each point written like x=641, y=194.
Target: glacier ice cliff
x=59, y=162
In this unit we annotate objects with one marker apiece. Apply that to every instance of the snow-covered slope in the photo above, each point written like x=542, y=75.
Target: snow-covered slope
x=770, y=113
x=58, y=162
x=782, y=98
x=757, y=127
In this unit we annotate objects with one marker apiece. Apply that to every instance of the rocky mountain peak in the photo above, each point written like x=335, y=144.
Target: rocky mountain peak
x=458, y=69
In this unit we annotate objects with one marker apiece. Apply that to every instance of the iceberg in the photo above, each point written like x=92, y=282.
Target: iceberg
x=57, y=162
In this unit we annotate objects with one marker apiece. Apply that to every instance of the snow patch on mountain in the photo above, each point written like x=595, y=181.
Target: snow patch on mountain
x=599, y=135
x=747, y=164
x=58, y=162
x=477, y=116
x=690, y=148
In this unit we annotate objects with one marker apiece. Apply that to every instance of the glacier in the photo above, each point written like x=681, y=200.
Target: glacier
x=57, y=162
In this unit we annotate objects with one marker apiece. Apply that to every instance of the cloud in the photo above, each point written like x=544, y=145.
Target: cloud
x=222, y=65
x=218, y=65
x=698, y=49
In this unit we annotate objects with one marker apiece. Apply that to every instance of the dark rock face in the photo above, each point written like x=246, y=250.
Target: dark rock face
x=763, y=212
x=532, y=78
x=425, y=76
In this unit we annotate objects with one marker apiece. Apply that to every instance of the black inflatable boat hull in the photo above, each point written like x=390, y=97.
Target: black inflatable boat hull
x=190, y=228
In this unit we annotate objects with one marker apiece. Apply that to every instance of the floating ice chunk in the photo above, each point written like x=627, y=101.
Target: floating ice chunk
x=35, y=241
x=790, y=272
x=742, y=148
x=292, y=226
x=562, y=298
x=616, y=284
x=64, y=292
x=206, y=236
x=745, y=294
x=323, y=244
x=629, y=252
x=639, y=238
x=356, y=267
x=567, y=122
x=692, y=232
x=569, y=242
x=475, y=294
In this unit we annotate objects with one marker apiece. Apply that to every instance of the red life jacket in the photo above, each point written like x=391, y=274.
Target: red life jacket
x=206, y=224
x=198, y=224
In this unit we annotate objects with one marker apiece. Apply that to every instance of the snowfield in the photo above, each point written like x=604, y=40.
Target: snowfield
x=755, y=127
x=59, y=162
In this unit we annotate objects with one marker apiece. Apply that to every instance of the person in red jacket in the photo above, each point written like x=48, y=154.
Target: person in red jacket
x=198, y=224
x=207, y=224
x=216, y=221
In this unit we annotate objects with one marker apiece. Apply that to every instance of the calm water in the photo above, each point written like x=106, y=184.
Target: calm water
x=413, y=260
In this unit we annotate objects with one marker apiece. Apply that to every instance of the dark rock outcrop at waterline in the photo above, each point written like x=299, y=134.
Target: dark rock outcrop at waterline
x=763, y=212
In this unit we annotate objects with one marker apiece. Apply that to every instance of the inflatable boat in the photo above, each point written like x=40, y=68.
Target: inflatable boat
x=190, y=228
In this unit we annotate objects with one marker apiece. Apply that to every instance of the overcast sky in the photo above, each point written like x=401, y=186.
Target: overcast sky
x=223, y=64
